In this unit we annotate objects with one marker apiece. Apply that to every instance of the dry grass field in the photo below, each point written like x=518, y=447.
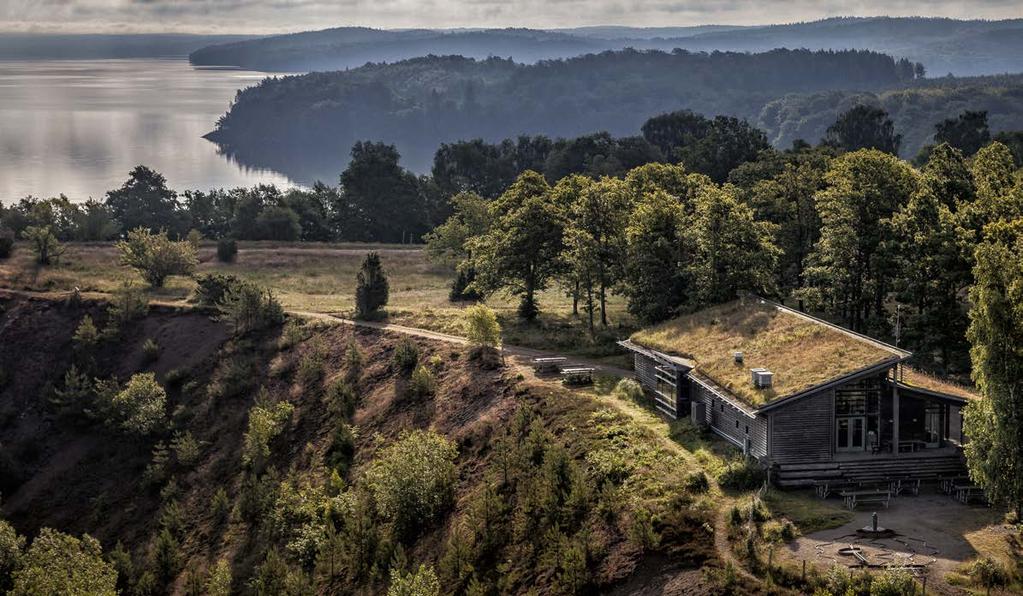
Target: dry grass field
x=321, y=278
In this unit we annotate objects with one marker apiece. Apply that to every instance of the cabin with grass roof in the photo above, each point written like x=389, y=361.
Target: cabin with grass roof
x=805, y=397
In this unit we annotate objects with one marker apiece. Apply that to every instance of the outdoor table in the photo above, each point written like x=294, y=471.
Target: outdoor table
x=855, y=497
x=550, y=364
x=577, y=375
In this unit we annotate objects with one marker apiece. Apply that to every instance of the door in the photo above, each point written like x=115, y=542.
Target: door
x=850, y=433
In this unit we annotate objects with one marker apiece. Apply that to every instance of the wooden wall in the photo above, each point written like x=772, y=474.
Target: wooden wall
x=731, y=422
x=803, y=430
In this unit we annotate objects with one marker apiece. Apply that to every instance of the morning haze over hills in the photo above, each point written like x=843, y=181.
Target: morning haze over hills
x=405, y=87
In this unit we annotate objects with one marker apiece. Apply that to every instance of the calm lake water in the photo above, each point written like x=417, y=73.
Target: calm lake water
x=79, y=127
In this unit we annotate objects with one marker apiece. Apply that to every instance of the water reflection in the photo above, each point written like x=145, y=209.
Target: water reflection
x=78, y=127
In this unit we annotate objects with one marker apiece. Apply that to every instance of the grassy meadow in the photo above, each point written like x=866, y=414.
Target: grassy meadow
x=318, y=277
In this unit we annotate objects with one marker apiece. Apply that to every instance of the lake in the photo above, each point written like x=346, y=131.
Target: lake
x=78, y=127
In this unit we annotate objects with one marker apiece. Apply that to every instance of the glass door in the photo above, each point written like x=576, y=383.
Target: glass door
x=850, y=433
x=933, y=425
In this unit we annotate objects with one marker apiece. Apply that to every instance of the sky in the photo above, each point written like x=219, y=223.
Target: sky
x=276, y=16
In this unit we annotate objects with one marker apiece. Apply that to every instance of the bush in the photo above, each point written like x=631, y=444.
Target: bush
x=127, y=304
x=86, y=336
x=150, y=350
x=629, y=390
x=340, y=398
x=57, y=563
x=194, y=237
x=210, y=289
x=219, y=581
x=266, y=421
x=422, y=384
x=412, y=481
x=220, y=506
x=482, y=328
x=140, y=405
x=310, y=367
x=6, y=243
x=156, y=257
x=460, y=290
x=423, y=582
x=11, y=545
x=371, y=290
x=353, y=363
x=186, y=449
x=342, y=448
x=742, y=475
x=406, y=356
x=893, y=582
x=987, y=573
x=44, y=243
x=227, y=250
x=248, y=308
x=697, y=482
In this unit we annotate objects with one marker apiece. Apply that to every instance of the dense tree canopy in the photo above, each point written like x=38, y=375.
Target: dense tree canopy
x=864, y=127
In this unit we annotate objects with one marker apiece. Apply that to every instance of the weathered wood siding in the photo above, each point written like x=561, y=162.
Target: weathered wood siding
x=645, y=371
x=731, y=422
x=803, y=430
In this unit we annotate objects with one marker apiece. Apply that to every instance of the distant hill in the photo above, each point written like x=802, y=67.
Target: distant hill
x=305, y=125
x=34, y=46
x=963, y=48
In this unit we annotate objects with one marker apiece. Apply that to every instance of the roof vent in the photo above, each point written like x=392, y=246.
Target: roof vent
x=761, y=377
x=738, y=357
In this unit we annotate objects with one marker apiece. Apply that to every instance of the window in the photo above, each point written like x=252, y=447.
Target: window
x=736, y=424
x=747, y=429
x=722, y=406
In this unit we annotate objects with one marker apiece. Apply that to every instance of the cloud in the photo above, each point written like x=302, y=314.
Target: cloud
x=268, y=16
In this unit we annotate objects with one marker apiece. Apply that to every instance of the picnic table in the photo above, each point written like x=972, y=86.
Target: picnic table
x=948, y=483
x=967, y=492
x=577, y=375
x=856, y=497
x=548, y=364
x=825, y=488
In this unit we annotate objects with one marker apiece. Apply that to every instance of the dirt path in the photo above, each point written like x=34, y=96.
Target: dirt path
x=515, y=351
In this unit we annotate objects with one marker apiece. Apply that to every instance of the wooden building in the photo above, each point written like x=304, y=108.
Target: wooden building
x=805, y=397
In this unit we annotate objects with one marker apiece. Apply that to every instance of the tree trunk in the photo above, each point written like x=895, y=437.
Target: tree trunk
x=603, y=306
x=575, y=299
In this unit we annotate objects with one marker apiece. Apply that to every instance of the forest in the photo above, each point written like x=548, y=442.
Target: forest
x=959, y=47
x=417, y=104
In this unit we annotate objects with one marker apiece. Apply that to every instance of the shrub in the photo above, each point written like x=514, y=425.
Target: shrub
x=126, y=304
x=140, y=405
x=6, y=243
x=310, y=367
x=412, y=480
x=893, y=582
x=11, y=546
x=371, y=290
x=422, y=384
x=219, y=581
x=353, y=363
x=697, y=482
x=194, y=237
x=150, y=350
x=57, y=563
x=75, y=397
x=156, y=257
x=406, y=356
x=266, y=421
x=44, y=243
x=342, y=448
x=248, y=308
x=340, y=398
x=220, y=506
x=227, y=250
x=988, y=573
x=460, y=287
x=166, y=557
x=211, y=288
x=742, y=475
x=629, y=390
x=482, y=328
x=186, y=449
x=423, y=582
x=86, y=336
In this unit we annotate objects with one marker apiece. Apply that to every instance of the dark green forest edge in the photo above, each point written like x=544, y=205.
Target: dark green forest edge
x=304, y=125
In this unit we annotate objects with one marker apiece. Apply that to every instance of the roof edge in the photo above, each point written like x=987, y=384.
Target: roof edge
x=867, y=370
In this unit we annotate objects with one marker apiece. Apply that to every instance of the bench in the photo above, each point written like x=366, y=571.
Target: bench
x=549, y=364
x=968, y=492
x=577, y=375
x=858, y=497
x=948, y=483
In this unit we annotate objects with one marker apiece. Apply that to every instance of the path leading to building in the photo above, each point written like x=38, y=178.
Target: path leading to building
x=514, y=351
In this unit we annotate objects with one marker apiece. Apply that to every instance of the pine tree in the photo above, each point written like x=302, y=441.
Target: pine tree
x=371, y=291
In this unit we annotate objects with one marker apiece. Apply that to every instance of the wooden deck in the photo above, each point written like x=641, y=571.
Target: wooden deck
x=924, y=465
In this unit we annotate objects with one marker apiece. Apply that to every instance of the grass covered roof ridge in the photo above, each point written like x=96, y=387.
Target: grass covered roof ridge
x=800, y=350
